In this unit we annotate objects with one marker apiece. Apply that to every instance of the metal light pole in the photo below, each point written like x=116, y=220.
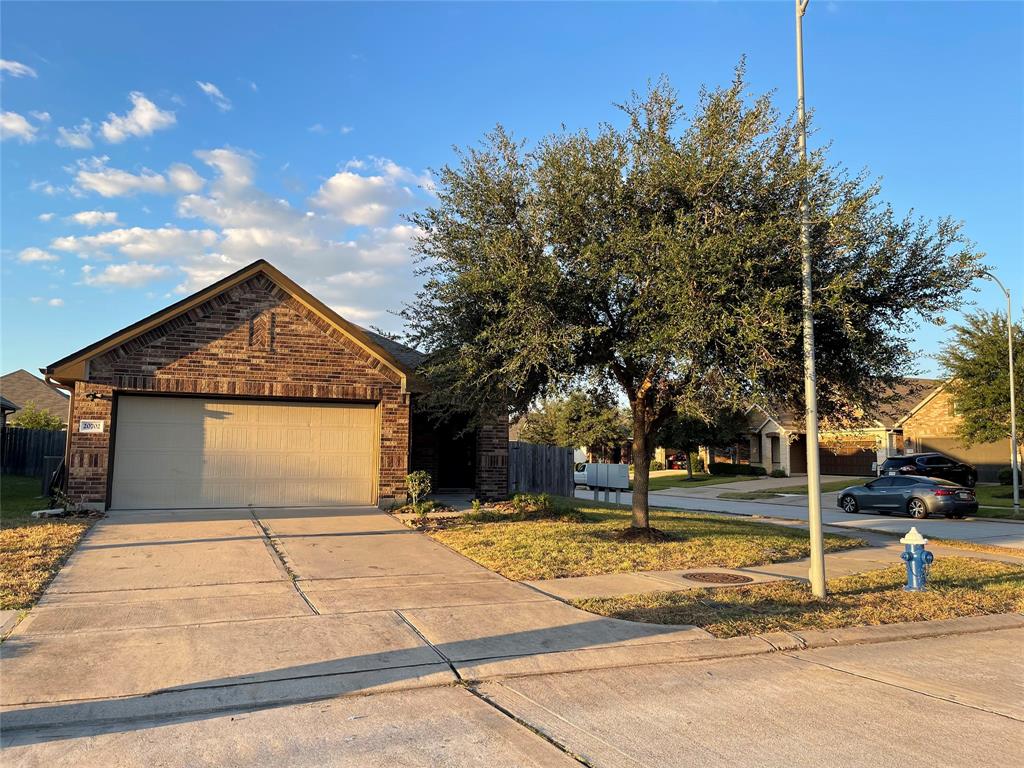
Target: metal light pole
x=1013, y=403
x=810, y=383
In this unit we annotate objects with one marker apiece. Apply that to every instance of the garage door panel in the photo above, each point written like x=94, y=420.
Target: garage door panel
x=189, y=452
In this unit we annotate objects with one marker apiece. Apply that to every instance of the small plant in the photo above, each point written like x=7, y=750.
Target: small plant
x=477, y=506
x=62, y=499
x=418, y=485
x=531, y=503
x=779, y=473
x=656, y=466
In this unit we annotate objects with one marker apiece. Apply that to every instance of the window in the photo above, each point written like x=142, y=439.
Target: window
x=902, y=482
x=935, y=461
x=882, y=482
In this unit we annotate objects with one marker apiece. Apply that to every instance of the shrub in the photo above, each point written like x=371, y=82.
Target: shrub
x=656, y=466
x=778, y=473
x=531, y=503
x=418, y=485
x=31, y=417
x=725, y=468
x=1005, y=476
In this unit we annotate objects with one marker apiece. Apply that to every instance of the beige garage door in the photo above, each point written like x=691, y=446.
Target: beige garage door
x=176, y=452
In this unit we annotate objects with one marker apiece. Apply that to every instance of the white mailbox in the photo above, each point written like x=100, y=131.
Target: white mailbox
x=614, y=476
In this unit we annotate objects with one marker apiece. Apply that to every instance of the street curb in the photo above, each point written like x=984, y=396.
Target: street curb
x=613, y=657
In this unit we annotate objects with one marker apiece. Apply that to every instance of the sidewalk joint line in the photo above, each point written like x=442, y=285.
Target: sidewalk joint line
x=278, y=555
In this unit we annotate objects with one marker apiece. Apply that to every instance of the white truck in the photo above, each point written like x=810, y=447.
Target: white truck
x=604, y=476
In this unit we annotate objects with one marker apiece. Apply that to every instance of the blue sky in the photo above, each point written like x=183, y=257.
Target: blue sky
x=150, y=148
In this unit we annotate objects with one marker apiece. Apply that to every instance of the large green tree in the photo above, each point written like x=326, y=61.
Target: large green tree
x=689, y=433
x=976, y=360
x=660, y=255
x=581, y=419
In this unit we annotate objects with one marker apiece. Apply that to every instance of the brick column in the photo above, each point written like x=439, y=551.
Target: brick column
x=89, y=453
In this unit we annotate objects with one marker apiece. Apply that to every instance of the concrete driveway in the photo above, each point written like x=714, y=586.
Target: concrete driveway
x=179, y=612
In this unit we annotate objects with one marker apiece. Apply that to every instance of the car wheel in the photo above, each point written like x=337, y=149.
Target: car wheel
x=849, y=504
x=971, y=482
x=917, y=509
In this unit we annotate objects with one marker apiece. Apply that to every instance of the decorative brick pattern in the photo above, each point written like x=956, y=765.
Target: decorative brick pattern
x=253, y=340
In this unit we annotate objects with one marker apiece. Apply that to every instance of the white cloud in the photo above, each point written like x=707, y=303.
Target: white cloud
x=42, y=117
x=346, y=129
x=235, y=167
x=15, y=126
x=369, y=200
x=142, y=119
x=182, y=176
x=130, y=275
x=16, y=69
x=55, y=303
x=317, y=128
x=358, y=314
x=95, y=175
x=222, y=102
x=79, y=137
x=358, y=278
x=36, y=255
x=46, y=216
x=170, y=243
x=94, y=218
x=45, y=187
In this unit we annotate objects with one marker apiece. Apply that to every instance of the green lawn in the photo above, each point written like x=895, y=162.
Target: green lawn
x=996, y=496
x=31, y=551
x=579, y=539
x=957, y=587
x=680, y=480
x=774, y=493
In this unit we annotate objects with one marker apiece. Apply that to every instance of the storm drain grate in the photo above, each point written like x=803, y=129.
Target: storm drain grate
x=718, y=578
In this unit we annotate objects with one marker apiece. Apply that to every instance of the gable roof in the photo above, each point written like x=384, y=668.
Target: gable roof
x=21, y=388
x=893, y=406
x=399, y=358
x=6, y=406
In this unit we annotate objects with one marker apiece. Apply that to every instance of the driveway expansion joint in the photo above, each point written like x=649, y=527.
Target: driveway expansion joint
x=279, y=557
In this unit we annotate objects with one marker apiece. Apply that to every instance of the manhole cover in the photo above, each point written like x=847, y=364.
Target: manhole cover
x=718, y=578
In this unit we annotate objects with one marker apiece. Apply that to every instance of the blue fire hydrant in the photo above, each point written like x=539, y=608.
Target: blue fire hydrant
x=917, y=559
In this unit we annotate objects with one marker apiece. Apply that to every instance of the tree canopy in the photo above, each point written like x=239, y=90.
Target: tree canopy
x=581, y=419
x=30, y=416
x=660, y=256
x=976, y=360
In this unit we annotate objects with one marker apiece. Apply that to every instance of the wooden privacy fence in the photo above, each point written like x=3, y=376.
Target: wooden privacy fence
x=24, y=451
x=540, y=469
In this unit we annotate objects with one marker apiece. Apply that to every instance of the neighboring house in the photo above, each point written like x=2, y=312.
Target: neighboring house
x=6, y=409
x=21, y=388
x=932, y=426
x=252, y=391
x=777, y=440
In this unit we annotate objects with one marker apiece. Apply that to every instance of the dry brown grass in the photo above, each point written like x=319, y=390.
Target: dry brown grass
x=31, y=556
x=957, y=587
x=579, y=539
x=31, y=551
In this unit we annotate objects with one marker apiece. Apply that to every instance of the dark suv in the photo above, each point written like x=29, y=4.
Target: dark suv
x=931, y=465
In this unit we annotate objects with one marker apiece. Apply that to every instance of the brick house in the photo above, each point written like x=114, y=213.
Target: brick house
x=252, y=391
x=776, y=441
x=932, y=426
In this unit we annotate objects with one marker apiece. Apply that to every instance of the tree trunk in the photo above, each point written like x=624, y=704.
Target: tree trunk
x=641, y=467
x=689, y=466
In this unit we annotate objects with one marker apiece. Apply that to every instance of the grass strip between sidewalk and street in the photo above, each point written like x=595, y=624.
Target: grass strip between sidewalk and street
x=799, y=490
x=31, y=551
x=661, y=480
x=579, y=538
x=957, y=586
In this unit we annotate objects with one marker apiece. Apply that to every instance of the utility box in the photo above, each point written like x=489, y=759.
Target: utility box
x=614, y=476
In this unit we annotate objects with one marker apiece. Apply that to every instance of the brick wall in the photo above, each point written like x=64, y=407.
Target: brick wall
x=936, y=419
x=492, y=460
x=255, y=340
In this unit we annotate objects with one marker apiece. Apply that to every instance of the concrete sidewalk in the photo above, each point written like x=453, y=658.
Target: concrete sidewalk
x=173, y=613
x=884, y=553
